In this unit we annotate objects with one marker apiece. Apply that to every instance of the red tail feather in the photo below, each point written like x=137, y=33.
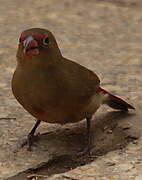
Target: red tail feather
x=116, y=102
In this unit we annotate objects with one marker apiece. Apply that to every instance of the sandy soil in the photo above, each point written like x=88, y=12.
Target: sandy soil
x=104, y=36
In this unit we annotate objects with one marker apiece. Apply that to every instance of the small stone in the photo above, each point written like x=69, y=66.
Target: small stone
x=110, y=163
x=131, y=138
x=105, y=128
x=126, y=128
x=109, y=131
x=135, y=142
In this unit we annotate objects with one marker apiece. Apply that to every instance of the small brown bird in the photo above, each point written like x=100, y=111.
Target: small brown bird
x=54, y=89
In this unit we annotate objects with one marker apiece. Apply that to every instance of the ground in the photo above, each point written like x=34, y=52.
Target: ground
x=103, y=35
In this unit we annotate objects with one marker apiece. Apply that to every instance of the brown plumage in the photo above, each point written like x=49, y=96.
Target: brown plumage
x=52, y=88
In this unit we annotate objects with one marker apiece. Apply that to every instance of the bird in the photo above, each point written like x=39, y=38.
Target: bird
x=55, y=89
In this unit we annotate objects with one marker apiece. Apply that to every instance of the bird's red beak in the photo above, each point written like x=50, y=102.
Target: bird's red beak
x=31, y=46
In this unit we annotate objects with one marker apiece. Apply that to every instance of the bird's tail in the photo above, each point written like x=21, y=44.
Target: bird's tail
x=115, y=102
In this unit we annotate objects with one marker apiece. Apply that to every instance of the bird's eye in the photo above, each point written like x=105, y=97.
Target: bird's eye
x=46, y=41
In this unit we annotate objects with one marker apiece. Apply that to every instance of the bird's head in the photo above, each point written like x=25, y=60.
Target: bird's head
x=36, y=43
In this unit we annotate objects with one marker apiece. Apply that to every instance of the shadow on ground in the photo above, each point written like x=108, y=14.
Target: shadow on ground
x=107, y=134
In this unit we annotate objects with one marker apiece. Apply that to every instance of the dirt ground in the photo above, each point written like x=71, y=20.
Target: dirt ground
x=103, y=35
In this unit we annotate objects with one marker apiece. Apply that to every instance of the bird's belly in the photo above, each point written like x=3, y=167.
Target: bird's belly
x=50, y=111
x=59, y=115
x=53, y=111
x=70, y=113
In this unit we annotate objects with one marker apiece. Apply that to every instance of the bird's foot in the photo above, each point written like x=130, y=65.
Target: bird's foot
x=29, y=142
x=85, y=151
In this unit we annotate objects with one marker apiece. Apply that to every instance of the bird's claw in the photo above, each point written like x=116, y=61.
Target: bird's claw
x=85, y=151
x=28, y=142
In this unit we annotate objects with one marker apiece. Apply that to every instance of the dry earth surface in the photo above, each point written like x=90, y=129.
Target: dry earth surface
x=103, y=35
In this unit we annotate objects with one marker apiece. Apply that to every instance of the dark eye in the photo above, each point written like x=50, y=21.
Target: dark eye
x=46, y=41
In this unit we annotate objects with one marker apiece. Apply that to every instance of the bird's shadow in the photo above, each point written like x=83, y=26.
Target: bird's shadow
x=64, y=142
x=106, y=133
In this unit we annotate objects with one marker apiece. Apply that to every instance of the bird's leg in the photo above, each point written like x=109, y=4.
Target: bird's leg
x=88, y=146
x=31, y=135
x=29, y=140
x=86, y=150
x=88, y=135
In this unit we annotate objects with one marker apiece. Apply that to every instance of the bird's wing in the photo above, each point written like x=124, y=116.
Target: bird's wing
x=80, y=81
